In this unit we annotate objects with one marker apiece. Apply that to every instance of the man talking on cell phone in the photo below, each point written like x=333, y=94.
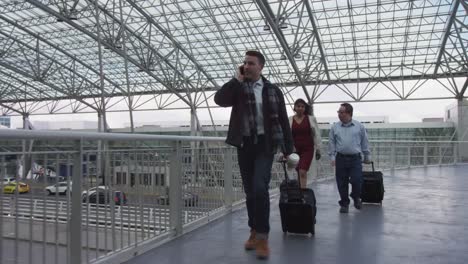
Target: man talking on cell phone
x=258, y=127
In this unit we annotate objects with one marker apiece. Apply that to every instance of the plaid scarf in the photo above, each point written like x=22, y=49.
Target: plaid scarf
x=251, y=112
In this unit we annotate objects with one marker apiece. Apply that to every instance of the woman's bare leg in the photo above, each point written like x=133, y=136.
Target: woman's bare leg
x=303, y=178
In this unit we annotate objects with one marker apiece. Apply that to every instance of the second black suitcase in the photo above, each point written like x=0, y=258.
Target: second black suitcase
x=372, y=186
x=297, y=207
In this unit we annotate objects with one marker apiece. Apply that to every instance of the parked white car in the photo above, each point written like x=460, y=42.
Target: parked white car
x=7, y=180
x=61, y=188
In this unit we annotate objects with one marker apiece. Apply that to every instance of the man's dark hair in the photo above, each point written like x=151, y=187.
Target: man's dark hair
x=306, y=106
x=257, y=54
x=348, y=107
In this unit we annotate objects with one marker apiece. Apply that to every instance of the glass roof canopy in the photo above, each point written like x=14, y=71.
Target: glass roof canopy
x=59, y=56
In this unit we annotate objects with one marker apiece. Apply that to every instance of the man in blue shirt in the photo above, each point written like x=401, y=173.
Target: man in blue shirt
x=347, y=140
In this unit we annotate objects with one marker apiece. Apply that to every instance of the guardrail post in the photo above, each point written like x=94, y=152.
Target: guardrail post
x=12, y=206
x=228, y=188
x=2, y=174
x=175, y=192
x=455, y=153
x=425, y=154
x=392, y=156
x=440, y=155
x=75, y=218
x=117, y=214
x=409, y=156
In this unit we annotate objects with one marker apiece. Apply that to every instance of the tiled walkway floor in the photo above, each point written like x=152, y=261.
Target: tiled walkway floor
x=424, y=219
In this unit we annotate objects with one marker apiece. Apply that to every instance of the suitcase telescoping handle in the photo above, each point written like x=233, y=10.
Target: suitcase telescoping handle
x=285, y=170
x=284, y=161
x=298, y=196
x=372, y=163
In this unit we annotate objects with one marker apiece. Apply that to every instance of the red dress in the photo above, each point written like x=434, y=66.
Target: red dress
x=303, y=142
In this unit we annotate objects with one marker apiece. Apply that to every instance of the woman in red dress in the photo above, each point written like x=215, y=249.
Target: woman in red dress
x=306, y=136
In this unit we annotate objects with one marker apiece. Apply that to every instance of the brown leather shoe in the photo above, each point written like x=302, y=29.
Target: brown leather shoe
x=251, y=243
x=262, y=249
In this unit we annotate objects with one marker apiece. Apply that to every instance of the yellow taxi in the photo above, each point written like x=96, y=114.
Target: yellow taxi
x=12, y=186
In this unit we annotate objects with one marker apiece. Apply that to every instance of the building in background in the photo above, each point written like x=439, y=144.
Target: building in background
x=65, y=125
x=378, y=128
x=457, y=113
x=5, y=121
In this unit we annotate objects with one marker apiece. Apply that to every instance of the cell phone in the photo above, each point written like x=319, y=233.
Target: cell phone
x=241, y=69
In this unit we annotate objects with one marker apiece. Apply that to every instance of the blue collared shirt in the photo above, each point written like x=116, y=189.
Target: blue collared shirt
x=349, y=138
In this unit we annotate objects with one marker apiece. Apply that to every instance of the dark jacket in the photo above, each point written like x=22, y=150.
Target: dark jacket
x=232, y=94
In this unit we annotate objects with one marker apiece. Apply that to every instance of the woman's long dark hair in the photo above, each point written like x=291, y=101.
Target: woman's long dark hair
x=306, y=106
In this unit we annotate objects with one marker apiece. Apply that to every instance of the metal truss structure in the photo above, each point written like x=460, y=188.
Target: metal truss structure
x=75, y=56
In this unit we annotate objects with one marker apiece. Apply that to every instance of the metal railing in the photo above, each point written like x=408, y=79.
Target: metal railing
x=150, y=189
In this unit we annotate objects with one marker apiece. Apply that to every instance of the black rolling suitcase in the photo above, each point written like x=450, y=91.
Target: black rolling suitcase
x=297, y=207
x=372, y=186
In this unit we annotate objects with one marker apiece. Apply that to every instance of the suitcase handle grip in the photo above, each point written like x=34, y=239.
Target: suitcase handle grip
x=286, y=173
x=372, y=163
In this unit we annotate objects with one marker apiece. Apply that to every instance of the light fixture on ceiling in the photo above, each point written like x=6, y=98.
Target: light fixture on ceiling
x=297, y=56
x=73, y=16
x=151, y=69
x=283, y=57
x=266, y=27
x=146, y=66
x=67, y=14
x=282, y=23
x=112, y=43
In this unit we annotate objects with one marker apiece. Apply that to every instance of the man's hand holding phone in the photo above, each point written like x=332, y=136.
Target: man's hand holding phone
x=240, y=73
